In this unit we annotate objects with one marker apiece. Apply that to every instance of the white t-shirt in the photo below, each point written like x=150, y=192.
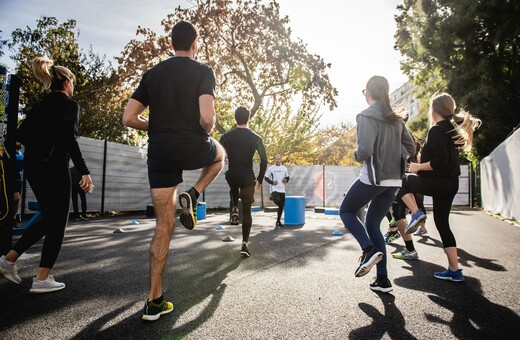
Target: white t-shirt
x=277, y=173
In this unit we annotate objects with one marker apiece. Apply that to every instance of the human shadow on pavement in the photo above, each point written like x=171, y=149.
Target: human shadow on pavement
x=473, y=315
x=107, y=279
x=391, y=321
x=466, y=259
x=189, y=287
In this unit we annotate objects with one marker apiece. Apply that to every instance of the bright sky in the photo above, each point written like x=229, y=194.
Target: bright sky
x=356, y=37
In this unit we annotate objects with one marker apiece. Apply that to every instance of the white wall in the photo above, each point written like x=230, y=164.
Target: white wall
x=499, y=178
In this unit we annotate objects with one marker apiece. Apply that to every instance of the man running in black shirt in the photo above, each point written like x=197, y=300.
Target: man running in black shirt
x=179, y=93
x=241, y=144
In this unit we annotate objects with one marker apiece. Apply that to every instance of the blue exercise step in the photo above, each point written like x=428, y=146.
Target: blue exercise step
x=329, y=211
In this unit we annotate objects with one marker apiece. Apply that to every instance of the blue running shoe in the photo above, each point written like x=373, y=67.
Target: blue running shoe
x=417, y=218
x=450, y=275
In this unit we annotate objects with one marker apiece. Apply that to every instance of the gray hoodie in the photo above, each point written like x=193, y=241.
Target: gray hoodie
x=382, y=144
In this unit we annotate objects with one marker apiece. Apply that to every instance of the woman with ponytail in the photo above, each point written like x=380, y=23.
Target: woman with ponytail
x=438, y=174
x=49, y=133
x=383, y=142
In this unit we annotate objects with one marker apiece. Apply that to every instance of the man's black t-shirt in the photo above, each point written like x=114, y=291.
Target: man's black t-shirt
x=240, y=145
x=172, y=89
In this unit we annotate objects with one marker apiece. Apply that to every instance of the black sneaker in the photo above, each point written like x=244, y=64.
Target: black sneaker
x=154, y=311
x=234, y=216
x=245, y=251
x=188, y=215
x=381, y=285
x=279, y=224
x=367, y=260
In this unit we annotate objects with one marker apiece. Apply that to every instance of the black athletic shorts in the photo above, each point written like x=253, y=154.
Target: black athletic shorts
x=166, y=174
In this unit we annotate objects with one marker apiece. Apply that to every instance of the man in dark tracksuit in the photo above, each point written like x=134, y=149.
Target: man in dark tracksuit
x=241, y=144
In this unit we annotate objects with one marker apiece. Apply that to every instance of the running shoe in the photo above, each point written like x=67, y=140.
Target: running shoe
x=279, y=224
x=367, y=260
x=153, y=311
x=417, y=218
x=405, y=254
x=245, y=251
x=421, y=232
x=188, y=215
x=450, y=275
x=8, y=270
x=381, y=285
x=234, y=216
x=391, y=236
x=392, y=223
x=46, y=286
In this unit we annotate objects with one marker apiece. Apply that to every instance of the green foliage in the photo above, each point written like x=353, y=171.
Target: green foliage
x=335, y=145
x=458, y=46
x=95, y=80
x=257, y=64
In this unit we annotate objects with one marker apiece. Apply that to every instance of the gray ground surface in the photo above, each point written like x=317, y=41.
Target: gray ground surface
x=298, y=284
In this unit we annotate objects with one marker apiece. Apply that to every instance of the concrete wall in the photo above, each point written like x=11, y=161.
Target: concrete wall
x=499, y=179
x=126, y=188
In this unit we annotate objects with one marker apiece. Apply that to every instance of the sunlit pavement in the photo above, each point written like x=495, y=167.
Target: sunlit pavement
x=298, y=284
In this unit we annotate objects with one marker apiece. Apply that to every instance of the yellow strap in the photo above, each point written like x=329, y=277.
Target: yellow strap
x=4, y=191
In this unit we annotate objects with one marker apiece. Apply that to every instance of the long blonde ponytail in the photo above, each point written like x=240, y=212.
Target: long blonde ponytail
x=465, y=123
x=51, y=76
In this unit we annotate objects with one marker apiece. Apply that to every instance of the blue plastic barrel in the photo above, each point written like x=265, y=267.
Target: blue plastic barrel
x=294, y=210
x=201, y=211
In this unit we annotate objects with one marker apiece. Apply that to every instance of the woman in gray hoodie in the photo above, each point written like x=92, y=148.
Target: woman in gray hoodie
x=383, y=144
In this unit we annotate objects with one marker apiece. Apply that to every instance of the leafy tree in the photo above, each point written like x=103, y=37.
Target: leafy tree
x=257, y=64
x=95, y=80
x=335, y=145
x=469, y=48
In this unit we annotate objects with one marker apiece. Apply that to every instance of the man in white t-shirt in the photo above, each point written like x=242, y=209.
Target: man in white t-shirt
x=277, y=176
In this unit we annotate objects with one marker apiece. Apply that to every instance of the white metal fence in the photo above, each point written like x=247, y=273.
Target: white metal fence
x=119, y=173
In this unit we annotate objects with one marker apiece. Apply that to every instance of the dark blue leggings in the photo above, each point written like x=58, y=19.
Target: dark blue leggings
x=380, y=198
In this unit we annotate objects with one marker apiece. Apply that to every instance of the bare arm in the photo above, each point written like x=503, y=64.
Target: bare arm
x=132, y=116
x=414, y=167
x=208, y=117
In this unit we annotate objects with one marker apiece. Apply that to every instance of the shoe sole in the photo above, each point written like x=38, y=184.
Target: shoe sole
x=187, y=218
x=412, y=228
x=156, y=316
x=364, y=269
x=245, y=254
x=45, y=290
x=234, y=219
x=382, y=290
x=448, y=278
x=405, y=258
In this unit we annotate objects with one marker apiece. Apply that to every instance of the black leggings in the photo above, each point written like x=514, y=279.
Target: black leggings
x=240, y=187
x=50, y=182
x=279, y=200
x=77, y=191
x=442, y=191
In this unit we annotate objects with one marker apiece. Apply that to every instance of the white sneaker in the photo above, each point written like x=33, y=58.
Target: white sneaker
x=8, y=270
x=46, y=286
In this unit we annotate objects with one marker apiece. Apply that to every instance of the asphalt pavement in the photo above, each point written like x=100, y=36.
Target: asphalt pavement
x=298, y=284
